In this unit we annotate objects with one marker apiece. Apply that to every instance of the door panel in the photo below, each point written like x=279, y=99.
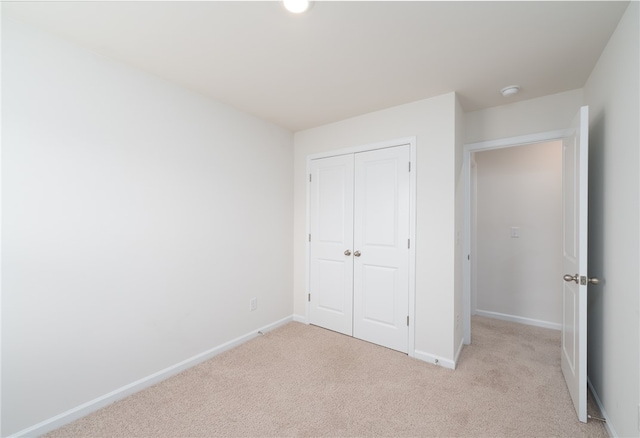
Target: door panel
x=331, y=226
x=574, y=293
x=381, y=231
x=380, y=204
x=379, y=305
x=331, y=277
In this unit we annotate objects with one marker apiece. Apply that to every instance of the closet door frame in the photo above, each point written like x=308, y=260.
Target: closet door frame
x=411, y=141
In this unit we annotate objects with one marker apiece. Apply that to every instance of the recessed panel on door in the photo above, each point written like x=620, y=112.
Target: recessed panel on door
x=569, y=302
x=381, y=232
x=380, y=202
x=378, y=300
x=331, y=203
x=331, y=278
x=569, y=248
x=331, y=234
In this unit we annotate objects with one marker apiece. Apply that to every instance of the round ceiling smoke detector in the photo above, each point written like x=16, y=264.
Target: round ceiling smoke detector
x=510, y=90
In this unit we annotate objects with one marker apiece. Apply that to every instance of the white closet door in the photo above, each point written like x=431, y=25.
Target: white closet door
x=381, y=253
x=331, y=259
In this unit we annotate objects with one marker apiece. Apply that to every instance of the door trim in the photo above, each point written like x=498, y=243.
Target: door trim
x=466, y=172
x=411, y=141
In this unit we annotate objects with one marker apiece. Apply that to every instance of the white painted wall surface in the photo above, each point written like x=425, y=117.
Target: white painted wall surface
x=432, y=121
x=520, y=277
x=139, y=219
x=613, y=94
x=548, y=113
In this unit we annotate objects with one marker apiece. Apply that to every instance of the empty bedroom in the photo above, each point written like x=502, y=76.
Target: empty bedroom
x=227, y=218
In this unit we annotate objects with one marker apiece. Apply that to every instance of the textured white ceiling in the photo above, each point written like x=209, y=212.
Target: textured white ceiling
x=342, y=59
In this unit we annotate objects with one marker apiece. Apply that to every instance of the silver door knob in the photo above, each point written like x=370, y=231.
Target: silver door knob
x=568, y=277
x=347, y=253
x=357, y=253
x=594, y=280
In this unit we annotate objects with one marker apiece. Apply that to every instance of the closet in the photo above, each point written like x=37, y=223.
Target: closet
x=359, y=205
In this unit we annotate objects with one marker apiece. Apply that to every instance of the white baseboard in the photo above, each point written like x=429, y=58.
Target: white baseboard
x=436, y=360
x=120, y=393
x=610, y=430
x=519, y=319
x=300, y=318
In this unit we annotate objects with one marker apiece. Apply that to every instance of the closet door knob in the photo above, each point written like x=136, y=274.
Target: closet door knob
x=347, y=253
x=357, y=253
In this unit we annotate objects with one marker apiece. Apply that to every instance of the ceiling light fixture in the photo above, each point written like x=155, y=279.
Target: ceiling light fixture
x=510, y=90
x=296, y=6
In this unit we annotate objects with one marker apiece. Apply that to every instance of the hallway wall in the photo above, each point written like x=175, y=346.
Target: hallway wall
x=519, y=278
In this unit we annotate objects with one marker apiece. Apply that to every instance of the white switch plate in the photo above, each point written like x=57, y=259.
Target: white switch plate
x=515, y=232
x=253, y=304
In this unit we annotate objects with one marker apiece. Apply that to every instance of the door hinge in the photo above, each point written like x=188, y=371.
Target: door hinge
x=407, y=320
x=309, y=298
x=309, y=237
x=409, y=166
x=468, y=256
x=408, y=243
x=309, y=177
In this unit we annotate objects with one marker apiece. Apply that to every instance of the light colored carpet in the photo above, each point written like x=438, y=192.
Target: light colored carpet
x=302, y=380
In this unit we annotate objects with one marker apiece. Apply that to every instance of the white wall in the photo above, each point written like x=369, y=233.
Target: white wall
x=138, y=220
x=432, y=121
x=542, y=114
x=612, y=93
x=519, y=278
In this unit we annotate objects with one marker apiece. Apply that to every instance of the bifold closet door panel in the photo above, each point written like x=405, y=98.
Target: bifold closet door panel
x=331, y=228
x=381, y=233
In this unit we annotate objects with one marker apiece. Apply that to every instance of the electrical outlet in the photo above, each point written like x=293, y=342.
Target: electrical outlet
x=253, y=304
x=458, y=320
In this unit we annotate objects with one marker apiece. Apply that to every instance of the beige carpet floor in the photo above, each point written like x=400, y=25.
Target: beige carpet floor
x=302, y=380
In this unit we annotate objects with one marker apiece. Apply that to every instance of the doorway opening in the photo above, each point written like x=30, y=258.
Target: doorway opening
x=575, y=165
x=517, y=176
x=516, y=234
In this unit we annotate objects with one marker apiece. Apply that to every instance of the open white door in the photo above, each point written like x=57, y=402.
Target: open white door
x=574, y=293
